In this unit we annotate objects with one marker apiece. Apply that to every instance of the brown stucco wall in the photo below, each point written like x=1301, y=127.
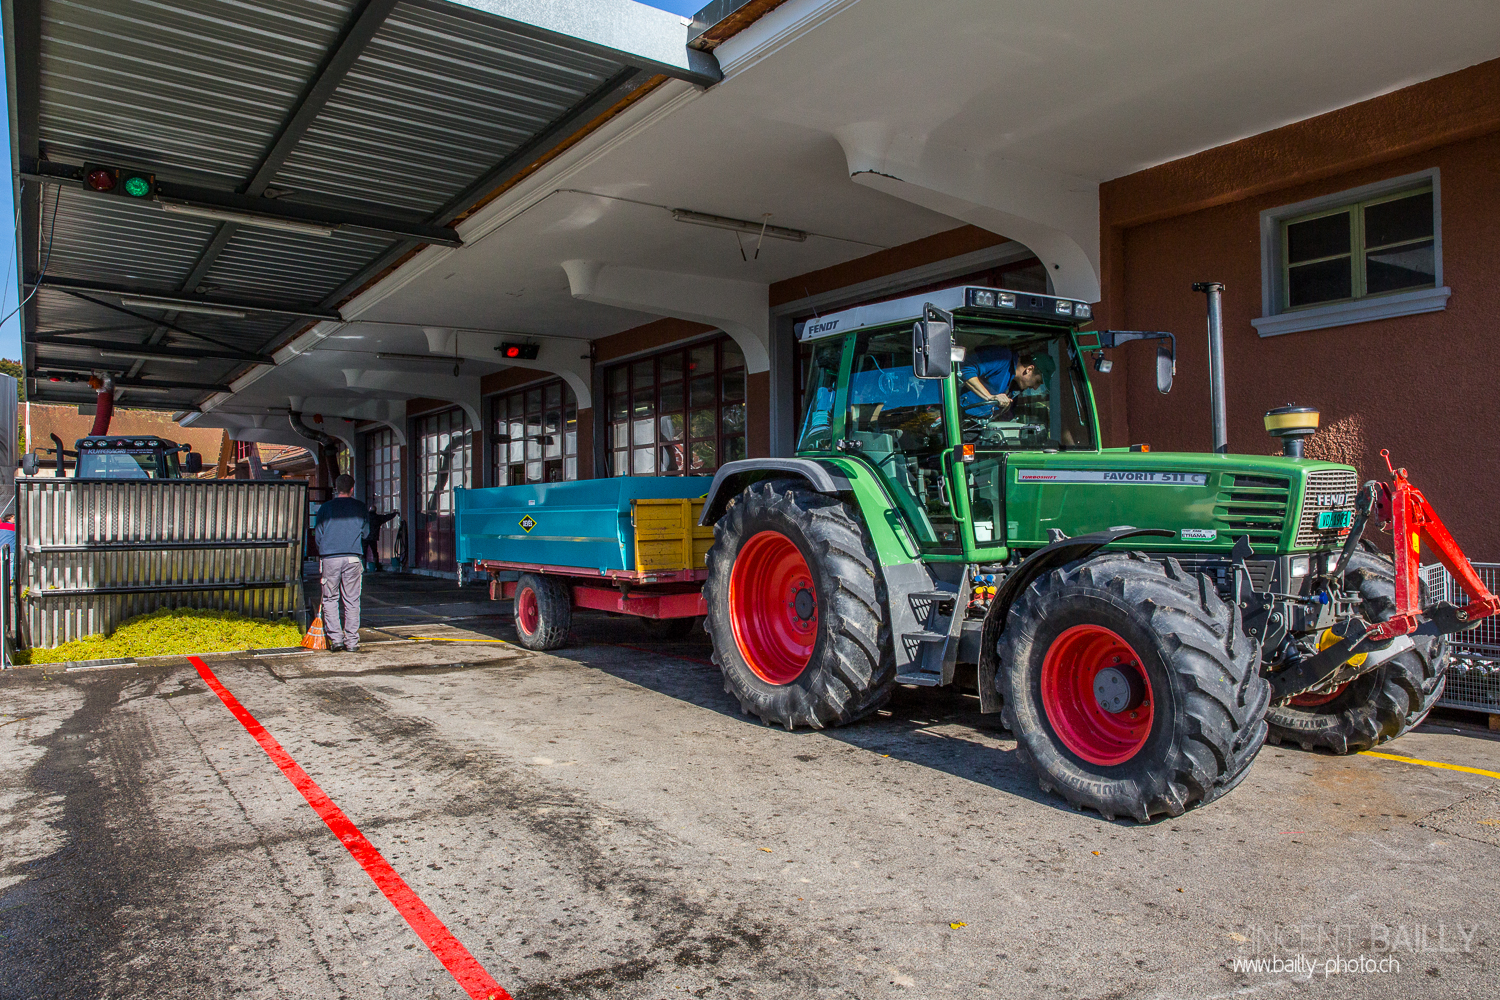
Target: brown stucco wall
x=1418, y=385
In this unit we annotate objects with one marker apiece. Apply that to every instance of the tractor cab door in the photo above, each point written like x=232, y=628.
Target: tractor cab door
x=897, y=423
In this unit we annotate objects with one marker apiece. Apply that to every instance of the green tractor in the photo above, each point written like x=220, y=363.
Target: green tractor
x=1143, y=620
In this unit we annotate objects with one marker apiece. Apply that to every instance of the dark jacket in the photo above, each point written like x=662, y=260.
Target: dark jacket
x=343, y=523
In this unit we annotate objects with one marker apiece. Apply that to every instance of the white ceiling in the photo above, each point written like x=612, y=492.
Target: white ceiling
x=1079, y=90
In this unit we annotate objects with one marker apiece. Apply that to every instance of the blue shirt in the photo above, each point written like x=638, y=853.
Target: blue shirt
x=995, y=366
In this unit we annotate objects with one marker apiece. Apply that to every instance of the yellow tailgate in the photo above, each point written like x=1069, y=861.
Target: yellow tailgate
x=667, y=535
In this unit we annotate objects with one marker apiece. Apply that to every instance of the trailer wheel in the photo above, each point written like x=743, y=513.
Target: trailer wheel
x=796, y=608
x=543, y=612
x=1130, y=686
x=667, y=629
x=1378, y=706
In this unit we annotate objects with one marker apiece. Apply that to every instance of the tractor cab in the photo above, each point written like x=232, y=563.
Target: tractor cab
x=883, y=392
x=108, y=456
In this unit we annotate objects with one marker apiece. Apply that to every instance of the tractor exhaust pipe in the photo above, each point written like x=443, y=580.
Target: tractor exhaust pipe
x=1215, y=292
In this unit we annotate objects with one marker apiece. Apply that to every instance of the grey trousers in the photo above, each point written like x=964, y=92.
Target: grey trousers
x=342, y=576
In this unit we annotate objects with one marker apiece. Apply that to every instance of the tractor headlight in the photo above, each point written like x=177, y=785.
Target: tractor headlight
x=1082, y=310
x=1301, y=566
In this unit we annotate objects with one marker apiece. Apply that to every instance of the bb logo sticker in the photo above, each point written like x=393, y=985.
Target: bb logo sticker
x=1198, y=534
x=527, y=523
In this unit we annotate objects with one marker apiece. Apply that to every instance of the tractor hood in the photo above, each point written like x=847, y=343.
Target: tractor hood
x=1207, y=501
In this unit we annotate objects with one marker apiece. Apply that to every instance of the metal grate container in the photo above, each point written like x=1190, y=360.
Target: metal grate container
x=93, y=553
x=1473, y=654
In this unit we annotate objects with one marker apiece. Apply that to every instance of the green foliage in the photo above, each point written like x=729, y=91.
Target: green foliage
x=173, y=632
x=15, y=371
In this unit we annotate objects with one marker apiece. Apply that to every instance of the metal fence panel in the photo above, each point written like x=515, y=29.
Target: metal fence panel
x=94, y=553
x=1473, y=654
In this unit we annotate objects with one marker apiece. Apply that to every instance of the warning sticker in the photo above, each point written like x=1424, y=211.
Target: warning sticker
x=1111, y=476
x=527, y=523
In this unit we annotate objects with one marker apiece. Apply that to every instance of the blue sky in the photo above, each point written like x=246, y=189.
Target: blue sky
x=10, y=331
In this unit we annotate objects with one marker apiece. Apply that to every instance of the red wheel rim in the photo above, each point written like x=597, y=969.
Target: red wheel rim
x=528, y=615
x=1085, y=668
x=773, y=607
x=1313, y=700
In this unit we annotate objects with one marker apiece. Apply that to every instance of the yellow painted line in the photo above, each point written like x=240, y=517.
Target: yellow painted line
x=1431, y=763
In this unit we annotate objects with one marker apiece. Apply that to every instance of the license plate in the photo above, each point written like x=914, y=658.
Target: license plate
x=1335, y=519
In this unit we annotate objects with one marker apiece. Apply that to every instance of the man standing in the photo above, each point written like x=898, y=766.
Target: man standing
x=343, y=523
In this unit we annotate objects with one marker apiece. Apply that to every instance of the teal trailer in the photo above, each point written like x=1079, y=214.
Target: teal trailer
x=629, y=545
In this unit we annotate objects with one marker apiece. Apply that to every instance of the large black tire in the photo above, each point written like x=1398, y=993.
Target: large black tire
x=851, y=668
x=1202, y=675
x=543, y=612
x=667, y=629
x=1382, y=704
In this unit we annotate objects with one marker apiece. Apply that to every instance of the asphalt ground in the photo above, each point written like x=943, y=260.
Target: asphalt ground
x=603, y=822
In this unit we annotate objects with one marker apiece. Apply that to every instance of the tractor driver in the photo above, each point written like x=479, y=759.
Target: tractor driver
x=996, y=375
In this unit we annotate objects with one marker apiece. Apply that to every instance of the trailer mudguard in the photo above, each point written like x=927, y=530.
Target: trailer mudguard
x=732, y=478
x=1043, y=560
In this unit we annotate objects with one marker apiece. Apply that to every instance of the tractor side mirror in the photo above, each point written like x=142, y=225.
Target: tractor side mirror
x=932, y=345
x=193, y=462
x=1166, y=367
x=29, y=463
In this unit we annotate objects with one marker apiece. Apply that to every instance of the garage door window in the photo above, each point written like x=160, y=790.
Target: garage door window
x=680, y=412
x=535, y=435
x=444, y=461
x=383, y=485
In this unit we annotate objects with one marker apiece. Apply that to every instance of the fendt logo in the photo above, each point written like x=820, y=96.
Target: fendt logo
x=1333, y=500
x=826, y=326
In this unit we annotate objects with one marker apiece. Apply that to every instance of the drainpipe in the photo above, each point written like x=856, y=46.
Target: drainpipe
x=1215, y=292
x=104, y=404
x=327, y=448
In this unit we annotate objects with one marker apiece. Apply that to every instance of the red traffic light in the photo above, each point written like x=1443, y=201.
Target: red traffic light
x=519, y=352
x=101, y=179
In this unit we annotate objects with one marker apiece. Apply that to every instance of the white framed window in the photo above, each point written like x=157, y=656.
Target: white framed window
x=1369, y=253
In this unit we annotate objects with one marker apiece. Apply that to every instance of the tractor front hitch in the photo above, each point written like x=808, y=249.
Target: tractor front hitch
x=1412, y=520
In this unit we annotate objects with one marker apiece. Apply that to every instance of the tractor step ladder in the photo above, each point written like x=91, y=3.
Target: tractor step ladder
x=937, y=644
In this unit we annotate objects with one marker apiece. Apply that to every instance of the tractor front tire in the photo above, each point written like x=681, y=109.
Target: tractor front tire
x=796, y=608
x=543, y=612
x=1131, y=687
x=1381, y=705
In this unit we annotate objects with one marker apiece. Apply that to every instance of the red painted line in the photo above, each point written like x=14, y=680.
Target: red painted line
x=465, y=968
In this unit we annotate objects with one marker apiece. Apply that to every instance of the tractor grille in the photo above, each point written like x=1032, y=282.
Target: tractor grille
x=1252, y=506
x=1328, y=489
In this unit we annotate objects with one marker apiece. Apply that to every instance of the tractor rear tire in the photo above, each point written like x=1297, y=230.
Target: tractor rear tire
x=1131, y=687
x=1381, y=705
x=543, y=612
x=797, y=608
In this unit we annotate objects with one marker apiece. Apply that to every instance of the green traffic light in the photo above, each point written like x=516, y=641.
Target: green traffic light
x=137, y=186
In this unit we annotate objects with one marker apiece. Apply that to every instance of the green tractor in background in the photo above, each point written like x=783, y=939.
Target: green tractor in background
x=1144, y=620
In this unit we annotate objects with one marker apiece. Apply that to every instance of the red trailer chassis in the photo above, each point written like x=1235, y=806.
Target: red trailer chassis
x=677, y=594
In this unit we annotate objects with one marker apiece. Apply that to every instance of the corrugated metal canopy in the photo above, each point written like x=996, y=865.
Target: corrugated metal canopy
x=298, y=147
